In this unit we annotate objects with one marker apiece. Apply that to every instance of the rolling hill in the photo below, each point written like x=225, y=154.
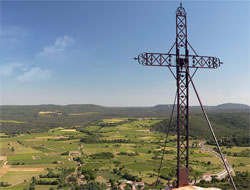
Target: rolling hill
x=35, y=118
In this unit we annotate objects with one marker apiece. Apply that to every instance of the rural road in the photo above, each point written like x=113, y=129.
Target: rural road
x=221, y=174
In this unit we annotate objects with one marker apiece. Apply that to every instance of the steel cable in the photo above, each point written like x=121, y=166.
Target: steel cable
x=211, y=128
x=166, y=140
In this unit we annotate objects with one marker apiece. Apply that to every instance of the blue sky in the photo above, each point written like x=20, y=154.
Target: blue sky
x=80, y=52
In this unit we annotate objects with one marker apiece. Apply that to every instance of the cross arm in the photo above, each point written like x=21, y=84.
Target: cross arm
x=161, y=59
x=204, y=62
x=155, y=59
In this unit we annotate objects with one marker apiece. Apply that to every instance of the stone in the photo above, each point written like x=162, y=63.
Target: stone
x=192, y=188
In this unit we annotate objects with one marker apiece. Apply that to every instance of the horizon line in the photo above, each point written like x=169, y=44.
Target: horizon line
x=112, y=106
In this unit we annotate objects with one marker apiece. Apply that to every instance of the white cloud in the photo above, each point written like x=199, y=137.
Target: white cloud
x=35, y=73
x=60, y=44
x=13, y=36
x=23, y=72
x=9, y=69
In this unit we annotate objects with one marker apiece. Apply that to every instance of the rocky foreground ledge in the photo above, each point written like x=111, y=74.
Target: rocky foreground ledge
x=193, y=188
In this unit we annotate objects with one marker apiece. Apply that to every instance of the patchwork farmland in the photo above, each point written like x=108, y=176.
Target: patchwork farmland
x=104, y=152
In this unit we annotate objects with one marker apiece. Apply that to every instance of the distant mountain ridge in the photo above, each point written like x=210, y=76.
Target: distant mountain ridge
x=160, y=110
x=158, y=106
x=28, y=118
x=233, y=106
x=225, y=106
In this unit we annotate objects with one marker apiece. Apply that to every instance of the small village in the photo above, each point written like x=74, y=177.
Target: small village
x=122, y=184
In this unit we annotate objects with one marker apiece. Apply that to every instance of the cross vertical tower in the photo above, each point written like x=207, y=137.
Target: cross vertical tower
x=182, y=96
x=183, y=64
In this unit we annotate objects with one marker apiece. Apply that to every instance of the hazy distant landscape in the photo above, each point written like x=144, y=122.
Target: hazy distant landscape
x=77, y=146
x=87, y=95
x=35, y=118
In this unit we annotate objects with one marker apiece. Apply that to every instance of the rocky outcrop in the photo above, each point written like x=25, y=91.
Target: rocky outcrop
x=192, y=188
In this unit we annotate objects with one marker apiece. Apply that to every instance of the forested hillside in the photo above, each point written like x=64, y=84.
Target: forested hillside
x=38, y=118
x=230, y=128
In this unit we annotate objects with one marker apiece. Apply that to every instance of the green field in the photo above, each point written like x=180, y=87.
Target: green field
x=11, y=121
x=136, y=150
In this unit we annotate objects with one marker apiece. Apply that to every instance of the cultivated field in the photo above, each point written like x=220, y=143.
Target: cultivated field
x=135, y=148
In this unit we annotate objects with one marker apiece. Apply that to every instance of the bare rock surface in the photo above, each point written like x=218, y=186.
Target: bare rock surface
x=192, y=188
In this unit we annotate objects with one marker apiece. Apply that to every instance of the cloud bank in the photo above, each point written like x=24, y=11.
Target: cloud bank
x=10, y=68
x=24, y=72
x=59, y=45
x=34, y=73
x=31, y=72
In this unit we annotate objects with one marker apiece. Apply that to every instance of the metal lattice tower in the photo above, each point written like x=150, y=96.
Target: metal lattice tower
x=183, y=64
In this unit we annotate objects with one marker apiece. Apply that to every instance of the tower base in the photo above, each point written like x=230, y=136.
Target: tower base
x=183, y=177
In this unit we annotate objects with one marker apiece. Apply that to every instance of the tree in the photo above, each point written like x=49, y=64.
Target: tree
x=127, y=187
x=34, y=180
x=32, y=186
x=92, y=185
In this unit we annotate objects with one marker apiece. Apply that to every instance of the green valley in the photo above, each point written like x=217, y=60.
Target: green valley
x=103, y=152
